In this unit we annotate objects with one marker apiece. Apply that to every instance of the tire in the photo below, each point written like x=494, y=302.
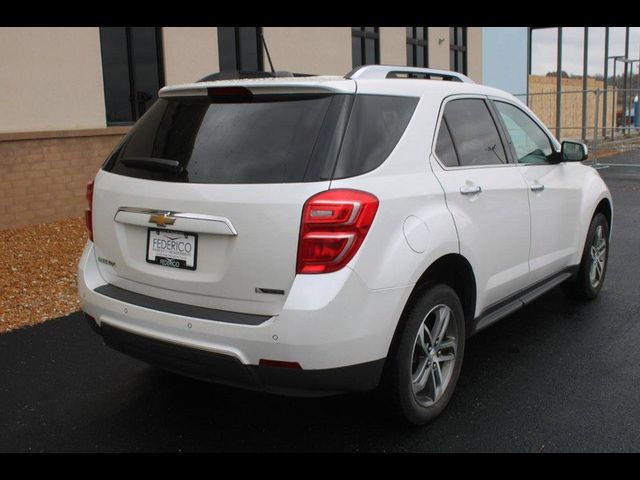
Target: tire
x=411, y=356
x=589, y=280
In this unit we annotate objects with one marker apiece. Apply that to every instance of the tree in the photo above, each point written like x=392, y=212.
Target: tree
x=563, y=74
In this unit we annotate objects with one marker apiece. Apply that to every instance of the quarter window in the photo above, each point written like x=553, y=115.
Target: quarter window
x=445, y=150
x=375, y=126
x=474, y=133
x=529, y=141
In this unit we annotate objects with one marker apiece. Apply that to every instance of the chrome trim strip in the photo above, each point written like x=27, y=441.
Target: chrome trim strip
x=187, y=216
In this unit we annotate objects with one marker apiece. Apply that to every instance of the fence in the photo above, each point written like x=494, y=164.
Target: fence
x=605, y=119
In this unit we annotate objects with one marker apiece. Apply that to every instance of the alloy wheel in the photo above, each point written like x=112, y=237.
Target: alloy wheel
x=598, y=257
x=434, y=355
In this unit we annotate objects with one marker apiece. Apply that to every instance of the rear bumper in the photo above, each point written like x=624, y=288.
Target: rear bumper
x=228, y=370
x=337, y=329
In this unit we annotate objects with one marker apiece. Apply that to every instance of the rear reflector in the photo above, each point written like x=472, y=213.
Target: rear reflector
x=334, y=225
x=88, y=214
x=279, y=364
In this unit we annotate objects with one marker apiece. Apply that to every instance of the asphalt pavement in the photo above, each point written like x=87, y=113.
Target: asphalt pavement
x=558, y=375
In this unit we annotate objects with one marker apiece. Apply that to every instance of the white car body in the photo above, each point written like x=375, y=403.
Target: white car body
x=512, y=239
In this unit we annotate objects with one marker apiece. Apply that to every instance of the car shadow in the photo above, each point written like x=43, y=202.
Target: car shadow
x=180, y=413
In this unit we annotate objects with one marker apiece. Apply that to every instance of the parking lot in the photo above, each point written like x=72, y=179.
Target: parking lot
x=556, y=376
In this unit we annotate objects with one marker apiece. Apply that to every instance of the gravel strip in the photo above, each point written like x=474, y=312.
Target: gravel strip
x=38, y=272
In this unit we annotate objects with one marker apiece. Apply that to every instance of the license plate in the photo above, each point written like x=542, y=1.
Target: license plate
x=171, y=248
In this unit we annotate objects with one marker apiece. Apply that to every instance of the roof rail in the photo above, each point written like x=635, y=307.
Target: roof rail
x=393, y=71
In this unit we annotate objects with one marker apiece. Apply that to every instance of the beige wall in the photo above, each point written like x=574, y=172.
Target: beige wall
x=393, y=45
x=439, y=47
x=439, y=50
x=318, y=50
x=474, y=53
x=50, y=79
x=190, y=53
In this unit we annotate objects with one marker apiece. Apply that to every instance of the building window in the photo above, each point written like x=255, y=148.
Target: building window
x=417, y=47
x=132, y=70
x=365, y=45
x=240, y=48
x=458, y=49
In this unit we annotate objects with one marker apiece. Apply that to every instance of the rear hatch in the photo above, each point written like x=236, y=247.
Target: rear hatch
x=201, y=202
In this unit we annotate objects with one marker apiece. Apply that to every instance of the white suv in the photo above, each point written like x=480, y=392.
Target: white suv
x=317, y=235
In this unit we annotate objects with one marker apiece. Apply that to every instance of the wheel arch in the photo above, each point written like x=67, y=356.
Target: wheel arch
x=604, y=207
x=455, y=271
x=596, y=198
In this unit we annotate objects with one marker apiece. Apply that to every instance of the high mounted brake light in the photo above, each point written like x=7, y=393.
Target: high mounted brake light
x=334, y=225
x=229, y=94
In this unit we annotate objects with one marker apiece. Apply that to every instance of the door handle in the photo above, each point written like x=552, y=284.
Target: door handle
x=537, y=187
x=470, y=189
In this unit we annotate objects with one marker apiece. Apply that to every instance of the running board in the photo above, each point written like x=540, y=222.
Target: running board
x=506, y=307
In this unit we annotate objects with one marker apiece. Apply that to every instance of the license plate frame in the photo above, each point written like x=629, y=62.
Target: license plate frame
x=172, y=262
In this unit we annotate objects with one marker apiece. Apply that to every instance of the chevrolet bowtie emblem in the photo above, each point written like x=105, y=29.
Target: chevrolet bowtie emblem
x=162, y=220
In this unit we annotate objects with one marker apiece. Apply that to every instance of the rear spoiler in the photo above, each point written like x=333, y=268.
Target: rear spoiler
x=252, y=88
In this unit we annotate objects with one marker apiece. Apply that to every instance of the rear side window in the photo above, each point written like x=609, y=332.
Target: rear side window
x=248, y=142
x=474, y=133
x=376, y=124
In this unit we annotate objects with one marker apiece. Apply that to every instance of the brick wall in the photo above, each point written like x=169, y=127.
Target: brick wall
x=44, y=175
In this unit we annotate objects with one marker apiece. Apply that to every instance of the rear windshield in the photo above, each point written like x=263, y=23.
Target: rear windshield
x=279, y=141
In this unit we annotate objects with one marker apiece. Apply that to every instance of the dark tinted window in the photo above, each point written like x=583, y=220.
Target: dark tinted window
x=474, y=132
x=264, y=142
x=115, y=72
x=365, y=45
x=227, y=48
x=458, y=49
x=132, y=71
x=444, y=147
x=417, y=46
x=376, y=124
x=145, y=61
x=240, y=48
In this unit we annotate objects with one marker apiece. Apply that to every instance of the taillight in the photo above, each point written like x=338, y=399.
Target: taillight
x=88, y=214
x=334, y=225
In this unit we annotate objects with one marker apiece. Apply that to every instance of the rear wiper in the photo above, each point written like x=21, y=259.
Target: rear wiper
x=151, y=163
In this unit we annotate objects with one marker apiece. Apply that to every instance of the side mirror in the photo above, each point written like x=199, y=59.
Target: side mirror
x=574, y=151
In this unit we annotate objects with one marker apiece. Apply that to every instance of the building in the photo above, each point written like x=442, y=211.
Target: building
x=69, y=94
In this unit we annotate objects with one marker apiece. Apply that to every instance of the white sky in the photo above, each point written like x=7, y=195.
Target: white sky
x=544, y=49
